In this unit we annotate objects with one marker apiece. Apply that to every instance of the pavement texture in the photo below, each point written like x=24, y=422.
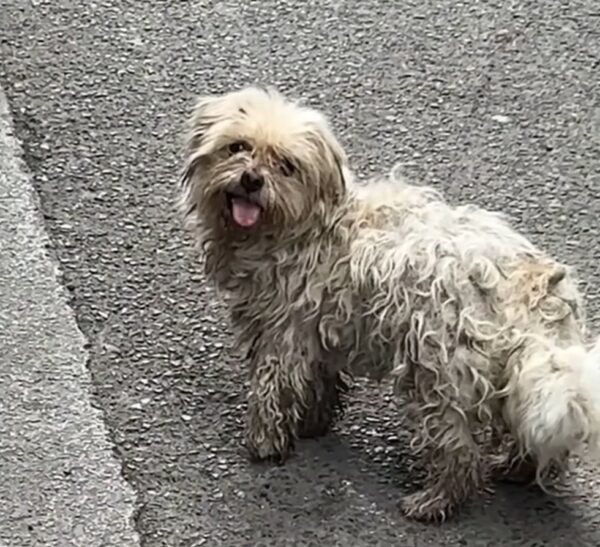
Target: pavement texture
x=495, y=102
x=61, y=484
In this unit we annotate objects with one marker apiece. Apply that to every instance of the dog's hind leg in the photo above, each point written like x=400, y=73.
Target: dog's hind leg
x=553, y=378
x=326, y=394
x=451, y=402
x=455, y=471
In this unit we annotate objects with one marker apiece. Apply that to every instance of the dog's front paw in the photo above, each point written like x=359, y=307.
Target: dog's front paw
x=272, y=447
x=429, y=505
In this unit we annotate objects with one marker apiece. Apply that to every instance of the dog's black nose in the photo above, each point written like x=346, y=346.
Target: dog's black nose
x=251, y=181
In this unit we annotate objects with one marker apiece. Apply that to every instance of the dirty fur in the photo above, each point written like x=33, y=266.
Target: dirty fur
x=482, y=332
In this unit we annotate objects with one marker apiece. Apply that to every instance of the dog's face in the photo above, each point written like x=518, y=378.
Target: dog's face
x=259, y=163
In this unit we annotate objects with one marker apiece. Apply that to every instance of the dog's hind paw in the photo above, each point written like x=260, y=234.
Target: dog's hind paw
x=428, y=505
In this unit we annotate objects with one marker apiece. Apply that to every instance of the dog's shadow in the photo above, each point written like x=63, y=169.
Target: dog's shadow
x=359, y=472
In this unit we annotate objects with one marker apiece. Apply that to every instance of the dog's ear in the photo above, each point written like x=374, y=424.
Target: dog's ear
x=342, y=172
x=203, y=116
x=333, y=157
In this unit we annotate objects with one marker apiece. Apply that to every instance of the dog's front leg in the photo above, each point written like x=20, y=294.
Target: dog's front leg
x=279, y=393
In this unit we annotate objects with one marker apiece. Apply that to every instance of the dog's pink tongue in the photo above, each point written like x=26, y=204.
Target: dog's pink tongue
x=244, y=213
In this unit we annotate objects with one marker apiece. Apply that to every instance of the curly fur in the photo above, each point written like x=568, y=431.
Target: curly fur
x=482, y=332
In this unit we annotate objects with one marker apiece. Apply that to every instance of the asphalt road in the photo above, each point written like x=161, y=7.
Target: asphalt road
x=492, y=101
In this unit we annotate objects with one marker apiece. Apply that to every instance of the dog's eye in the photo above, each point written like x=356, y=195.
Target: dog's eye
x=238, y=146
x=287, y=167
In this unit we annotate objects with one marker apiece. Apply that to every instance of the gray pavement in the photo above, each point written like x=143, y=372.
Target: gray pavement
x=61, y=484
x=491, y=101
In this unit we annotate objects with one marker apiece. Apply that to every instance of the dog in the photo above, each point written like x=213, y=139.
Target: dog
x=482, y=334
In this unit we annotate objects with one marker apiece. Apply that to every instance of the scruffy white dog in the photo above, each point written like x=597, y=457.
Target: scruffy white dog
x=482, y=332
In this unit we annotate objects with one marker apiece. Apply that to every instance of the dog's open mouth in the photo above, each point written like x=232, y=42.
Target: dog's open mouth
x=244, y=212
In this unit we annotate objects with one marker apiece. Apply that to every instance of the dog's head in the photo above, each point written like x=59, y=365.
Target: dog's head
x=258, y=163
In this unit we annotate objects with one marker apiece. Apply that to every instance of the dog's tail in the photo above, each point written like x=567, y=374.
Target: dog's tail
x=554, y=402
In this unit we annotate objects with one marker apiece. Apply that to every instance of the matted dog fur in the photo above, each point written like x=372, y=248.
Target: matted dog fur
x=482, y=332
